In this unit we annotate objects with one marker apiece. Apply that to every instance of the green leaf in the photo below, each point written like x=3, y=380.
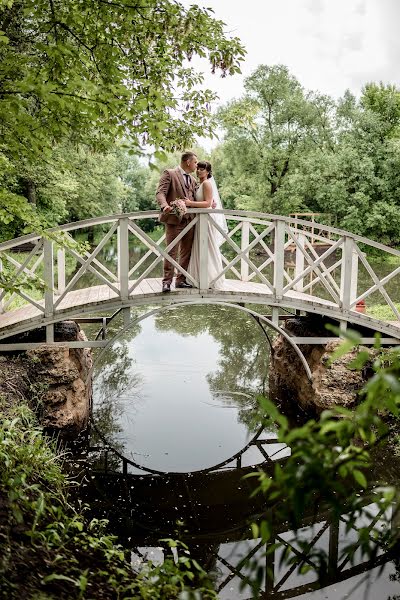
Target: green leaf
x=59, y=577
x=255, y=530
x=360, y=478
x=360, y=360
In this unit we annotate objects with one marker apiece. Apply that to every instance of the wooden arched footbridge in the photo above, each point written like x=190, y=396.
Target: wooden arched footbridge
x=280, y=264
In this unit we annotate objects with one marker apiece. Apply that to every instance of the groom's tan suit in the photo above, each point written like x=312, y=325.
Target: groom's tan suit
x=172, y=185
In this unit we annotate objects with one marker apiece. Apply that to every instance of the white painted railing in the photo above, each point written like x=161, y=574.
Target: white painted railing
x=273, y=251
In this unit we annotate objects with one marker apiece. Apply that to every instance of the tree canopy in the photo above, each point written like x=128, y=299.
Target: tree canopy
x=288, y=150
x=92, y=72
x=98, y=69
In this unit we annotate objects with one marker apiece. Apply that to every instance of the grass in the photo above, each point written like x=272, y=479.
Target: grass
x=382, y=311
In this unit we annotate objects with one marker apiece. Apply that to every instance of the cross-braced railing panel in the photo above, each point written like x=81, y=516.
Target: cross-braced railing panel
x=239, y=246
x=87, y=262
x=374, y=289
x=24, y=275
x=284, y=261
x=309, y=263
x=328, y=535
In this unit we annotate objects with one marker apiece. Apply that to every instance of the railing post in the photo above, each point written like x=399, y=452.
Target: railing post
x=60, y=270
x=1, y=299
x=349, y=274
x=354, y=274
x=123, y=266
x=348, y=279
x=123, y=258
x=203, y=239
x=48, y=275
x=244, y=267
x=279, y=258
x=299, y=268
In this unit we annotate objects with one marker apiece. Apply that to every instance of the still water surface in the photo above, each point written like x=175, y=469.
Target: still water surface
x=177, y=394
x=186, y=397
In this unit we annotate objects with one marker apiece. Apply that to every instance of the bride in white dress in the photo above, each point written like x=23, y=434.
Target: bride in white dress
x=206, y=193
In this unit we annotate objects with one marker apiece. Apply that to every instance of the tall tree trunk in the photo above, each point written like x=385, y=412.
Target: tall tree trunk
x=30, y=189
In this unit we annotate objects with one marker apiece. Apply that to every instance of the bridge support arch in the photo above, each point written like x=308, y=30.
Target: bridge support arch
x=202, y=301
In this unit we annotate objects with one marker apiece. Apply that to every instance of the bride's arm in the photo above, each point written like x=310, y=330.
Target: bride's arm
x=208, y=197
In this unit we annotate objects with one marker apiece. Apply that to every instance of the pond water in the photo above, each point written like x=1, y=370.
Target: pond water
x=181, y=389
x=175, y=429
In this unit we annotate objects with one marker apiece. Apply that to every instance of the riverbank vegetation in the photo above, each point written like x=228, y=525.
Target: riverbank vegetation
x=284, y=150
x=333, y=463
x=50, y=550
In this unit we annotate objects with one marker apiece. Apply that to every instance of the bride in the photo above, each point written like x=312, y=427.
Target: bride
x=206, y=193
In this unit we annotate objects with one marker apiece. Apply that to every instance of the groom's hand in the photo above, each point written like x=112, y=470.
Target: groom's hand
x=167, y=209
x=214, y=204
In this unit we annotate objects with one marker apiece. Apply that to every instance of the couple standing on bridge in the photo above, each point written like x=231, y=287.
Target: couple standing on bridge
x=179, y=183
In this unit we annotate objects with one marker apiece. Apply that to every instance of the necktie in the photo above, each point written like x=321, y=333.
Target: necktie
x=187, y=177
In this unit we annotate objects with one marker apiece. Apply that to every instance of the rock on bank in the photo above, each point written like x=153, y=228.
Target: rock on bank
x=55, y=381
x=331, y=385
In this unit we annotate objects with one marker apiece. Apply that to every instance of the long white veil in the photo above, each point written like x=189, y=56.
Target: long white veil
x=219, y=218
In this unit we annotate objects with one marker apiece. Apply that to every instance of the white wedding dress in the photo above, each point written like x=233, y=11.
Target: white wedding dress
x=214, y=253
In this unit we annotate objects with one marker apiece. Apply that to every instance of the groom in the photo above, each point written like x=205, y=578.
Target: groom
x=173, y=184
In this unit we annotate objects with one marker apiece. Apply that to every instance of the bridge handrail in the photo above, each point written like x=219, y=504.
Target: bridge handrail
x=251, y=215
x=268, y=258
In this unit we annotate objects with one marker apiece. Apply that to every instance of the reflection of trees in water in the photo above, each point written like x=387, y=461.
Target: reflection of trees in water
x=244, y=351
x=115, y=384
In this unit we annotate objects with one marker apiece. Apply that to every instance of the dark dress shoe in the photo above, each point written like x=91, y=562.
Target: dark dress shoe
x=183, y=284
x=166, y=287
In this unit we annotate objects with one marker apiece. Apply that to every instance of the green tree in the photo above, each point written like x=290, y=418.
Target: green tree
x=355, y=180
x=266, y=132
x=91, y=72
x=384, y=101
x=286, y=150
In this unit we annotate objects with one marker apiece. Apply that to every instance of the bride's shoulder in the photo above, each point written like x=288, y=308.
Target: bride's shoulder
x=207, y=184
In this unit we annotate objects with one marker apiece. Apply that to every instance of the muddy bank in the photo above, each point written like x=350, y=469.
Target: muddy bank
x=54, y=381
x=331, y=384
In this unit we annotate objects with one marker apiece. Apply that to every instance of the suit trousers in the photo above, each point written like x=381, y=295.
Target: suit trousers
x=181, y=250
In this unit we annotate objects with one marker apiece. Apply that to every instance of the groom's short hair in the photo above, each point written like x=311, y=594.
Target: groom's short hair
x=188, y=155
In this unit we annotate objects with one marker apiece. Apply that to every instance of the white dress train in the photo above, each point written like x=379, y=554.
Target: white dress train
x=214, y=253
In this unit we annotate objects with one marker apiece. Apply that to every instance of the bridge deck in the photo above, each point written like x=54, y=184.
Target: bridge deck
x=255, y=248
x=148, y=288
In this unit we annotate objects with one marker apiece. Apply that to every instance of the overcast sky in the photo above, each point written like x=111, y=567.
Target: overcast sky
x=329, y=45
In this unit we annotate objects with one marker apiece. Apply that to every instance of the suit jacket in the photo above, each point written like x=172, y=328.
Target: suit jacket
x=171, y=187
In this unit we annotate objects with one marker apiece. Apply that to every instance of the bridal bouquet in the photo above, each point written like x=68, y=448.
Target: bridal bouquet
x=178, y=208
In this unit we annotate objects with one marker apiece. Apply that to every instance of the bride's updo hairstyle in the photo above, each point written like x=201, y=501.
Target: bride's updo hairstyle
x=204, y=164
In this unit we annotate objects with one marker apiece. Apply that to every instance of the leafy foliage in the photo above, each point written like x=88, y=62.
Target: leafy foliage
x=49, y=550
x=330, y=460
x=96, y=70
x=287, y=150
x=81, y=72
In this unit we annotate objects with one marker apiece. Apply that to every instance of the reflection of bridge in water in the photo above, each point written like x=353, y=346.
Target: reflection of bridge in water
x=211, y=512
x=326, y=283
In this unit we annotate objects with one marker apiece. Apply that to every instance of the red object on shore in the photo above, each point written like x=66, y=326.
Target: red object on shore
x=361, y=306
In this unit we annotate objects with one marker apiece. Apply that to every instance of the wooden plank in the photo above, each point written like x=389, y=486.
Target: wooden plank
x=146, y=287
x=19, y=315
x=155, y=284
x=74, y=298
x=23, y=318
